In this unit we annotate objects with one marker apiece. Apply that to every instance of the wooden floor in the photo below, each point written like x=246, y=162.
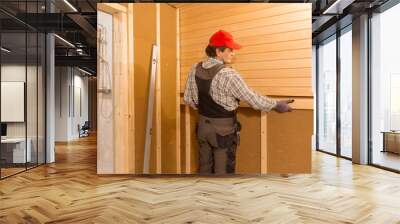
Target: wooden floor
x=387, y=159
x=69, y=191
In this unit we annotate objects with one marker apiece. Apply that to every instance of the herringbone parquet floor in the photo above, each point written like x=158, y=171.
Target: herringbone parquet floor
x=69, y=191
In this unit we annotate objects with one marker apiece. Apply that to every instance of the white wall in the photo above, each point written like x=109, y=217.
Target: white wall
x=70, y=83
x=12, y=73
x=33, y=127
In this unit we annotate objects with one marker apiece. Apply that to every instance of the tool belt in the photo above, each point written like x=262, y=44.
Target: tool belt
x=227, y=130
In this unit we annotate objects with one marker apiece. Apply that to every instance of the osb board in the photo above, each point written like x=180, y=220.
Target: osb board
x=248, y=153
x=168, y=87
x=145, y=37
x=289, y=141
x=276, y=38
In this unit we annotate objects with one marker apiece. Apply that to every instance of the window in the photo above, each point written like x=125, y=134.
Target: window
x=22, y=77
x=346, y=92
x=327, y=95
x=385, y=88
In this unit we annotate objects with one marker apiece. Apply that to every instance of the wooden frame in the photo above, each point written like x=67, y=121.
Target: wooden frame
x=178, y=96
x=264, y=147
x=158, y=94
x=124, y=132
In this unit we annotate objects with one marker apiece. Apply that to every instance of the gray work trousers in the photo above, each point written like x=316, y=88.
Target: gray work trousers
x=217, y=139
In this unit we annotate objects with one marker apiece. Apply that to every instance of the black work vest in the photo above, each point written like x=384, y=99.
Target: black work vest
x=207, y=106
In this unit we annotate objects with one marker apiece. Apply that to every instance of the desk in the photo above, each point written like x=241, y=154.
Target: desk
x=391, y=141
x=15, y=148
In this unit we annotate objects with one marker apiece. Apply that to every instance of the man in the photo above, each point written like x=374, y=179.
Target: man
x=215, y=89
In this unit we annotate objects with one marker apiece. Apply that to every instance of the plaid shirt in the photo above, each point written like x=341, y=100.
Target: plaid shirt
x=226, y=87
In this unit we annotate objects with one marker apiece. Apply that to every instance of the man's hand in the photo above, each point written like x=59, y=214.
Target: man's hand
x=283, y=106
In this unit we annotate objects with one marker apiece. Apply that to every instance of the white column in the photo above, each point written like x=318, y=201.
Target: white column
x=50, y=100
x=360, y=90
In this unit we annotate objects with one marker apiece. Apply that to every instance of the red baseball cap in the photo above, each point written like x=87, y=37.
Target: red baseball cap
x=223, y=38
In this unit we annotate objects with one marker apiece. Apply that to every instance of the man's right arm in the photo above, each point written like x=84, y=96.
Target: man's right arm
x=243, y=92
x=190, y=96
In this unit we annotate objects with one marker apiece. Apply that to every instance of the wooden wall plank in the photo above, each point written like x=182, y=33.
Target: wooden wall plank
x=244, y=33
x=124, y=95
x=283, y=14
x=169, y=88
x=183, y=147
x=111, y=7
x=131, y=96
x=194, y=146
x=118, y=155
x=158, y=93
x=196, y=16
x=145, y=36
x=187, y=140
x=177, y=97
x=264, y=55
x=264, y=147
x=121, y=86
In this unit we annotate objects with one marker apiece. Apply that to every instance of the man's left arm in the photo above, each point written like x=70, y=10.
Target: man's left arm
x=242, y=91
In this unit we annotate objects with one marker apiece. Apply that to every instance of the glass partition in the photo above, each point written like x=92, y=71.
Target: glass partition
x=22, y=67
x=327, y=95
x=14, y=154
x=346, y=92
x=385, y=89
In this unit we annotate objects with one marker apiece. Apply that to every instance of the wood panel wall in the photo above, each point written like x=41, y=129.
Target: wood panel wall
x=276, y=61
x=276, y=56
x=169, y=100
x=123, y=138
x=145, y=34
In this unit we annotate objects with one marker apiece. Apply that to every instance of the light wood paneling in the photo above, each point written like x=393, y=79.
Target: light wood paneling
x=188, y=142
x=169, y=101
x=121, y=96
x=275, y=60
x=177, y=97
x=131, y=84
x=145, y=36
x=264, y=140
x=111, y=8
x=276, y=41
x=159, y=125
x=183, y=138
